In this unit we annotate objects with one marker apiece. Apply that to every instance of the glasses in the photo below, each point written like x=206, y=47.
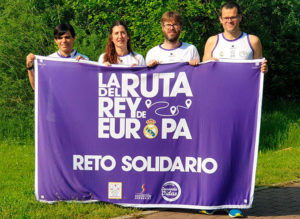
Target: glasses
x=170, y=26
x=230, y=18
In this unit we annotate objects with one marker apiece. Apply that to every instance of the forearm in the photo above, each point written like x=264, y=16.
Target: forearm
x=31, y=78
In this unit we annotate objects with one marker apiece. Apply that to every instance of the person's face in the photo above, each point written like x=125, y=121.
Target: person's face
x=230, y=19
x=65, y=43
x=120, y=36
x=171, y=30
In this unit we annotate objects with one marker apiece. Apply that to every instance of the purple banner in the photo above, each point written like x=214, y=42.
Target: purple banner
x=173, y=136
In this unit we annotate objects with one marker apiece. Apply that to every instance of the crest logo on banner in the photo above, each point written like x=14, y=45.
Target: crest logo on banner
x=150, y=130
x=170, y=191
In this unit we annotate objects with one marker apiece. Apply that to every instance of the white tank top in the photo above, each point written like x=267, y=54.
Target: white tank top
x=239, y=48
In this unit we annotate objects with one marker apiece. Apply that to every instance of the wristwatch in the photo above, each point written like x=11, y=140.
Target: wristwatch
x=30, y=68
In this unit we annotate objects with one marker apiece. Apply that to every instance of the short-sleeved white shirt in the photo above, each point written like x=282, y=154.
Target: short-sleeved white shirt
x=128, y=59
x=72, y=55
x=184, y=53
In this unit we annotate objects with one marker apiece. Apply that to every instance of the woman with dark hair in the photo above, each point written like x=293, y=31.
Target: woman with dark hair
x=118, y=49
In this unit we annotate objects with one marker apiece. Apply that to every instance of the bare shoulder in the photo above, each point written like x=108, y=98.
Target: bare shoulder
x=212, y=40
x=254, y=40
x=256, y=45
x=210, y=44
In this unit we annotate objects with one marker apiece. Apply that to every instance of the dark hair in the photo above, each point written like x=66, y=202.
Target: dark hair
x=110, y=54
x=61, y=29
x=230, y=5
x=171, y=15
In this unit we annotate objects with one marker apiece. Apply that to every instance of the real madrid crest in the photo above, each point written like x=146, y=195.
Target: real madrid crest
x=150, y=130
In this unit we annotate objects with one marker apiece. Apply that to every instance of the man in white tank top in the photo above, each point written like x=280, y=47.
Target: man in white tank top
x=233, y=43
x=172, y=50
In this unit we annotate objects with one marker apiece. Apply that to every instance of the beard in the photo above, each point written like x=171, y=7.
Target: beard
x=172, y=39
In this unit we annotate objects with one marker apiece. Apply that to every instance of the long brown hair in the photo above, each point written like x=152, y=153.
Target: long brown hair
x=110, y=54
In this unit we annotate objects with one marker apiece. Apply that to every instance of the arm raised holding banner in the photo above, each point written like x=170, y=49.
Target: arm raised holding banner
x=29, y=66
x=233, y=43
x=64, y=37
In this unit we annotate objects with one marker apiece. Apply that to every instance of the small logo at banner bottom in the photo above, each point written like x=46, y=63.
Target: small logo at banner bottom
x=142, y=195
x=170, y=191
x=114, y=190
x=150, y=130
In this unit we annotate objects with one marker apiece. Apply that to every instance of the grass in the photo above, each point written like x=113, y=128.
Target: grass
x=280, y=125
x=278, y=162
x=17, y=191
x=278, y=167
x=17, y=123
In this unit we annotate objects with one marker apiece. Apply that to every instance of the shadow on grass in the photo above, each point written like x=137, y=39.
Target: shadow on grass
x=276, y=201
x=280, y=125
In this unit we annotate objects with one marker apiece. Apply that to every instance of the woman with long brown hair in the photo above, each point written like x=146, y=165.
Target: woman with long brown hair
x=118, y=49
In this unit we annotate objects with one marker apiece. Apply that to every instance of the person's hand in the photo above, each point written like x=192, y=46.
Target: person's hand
x=107, y=63
x=194, y=62
x=264, y=67
x=152, y=63
x=79, y=57
x=29, y=60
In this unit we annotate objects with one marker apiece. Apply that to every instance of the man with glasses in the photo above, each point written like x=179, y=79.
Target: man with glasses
x=172, y=50
x=64, y=37
x=233, y=43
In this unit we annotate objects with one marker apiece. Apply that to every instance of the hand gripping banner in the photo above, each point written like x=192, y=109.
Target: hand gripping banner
x=173, y=136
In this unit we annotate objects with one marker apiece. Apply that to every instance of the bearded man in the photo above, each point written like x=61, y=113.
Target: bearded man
x=172, y=50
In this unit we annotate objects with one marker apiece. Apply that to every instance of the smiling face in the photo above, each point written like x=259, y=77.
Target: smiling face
x=230, y=19
x=119, y=36
x=65, y=43
x=171, y=30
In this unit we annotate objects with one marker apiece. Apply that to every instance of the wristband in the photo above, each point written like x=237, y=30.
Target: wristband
x=30, y=68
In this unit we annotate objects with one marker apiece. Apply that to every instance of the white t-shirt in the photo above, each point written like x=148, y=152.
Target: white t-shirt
x=239, y=48
x=128, y=59
x=72, y=55
x=184, y=53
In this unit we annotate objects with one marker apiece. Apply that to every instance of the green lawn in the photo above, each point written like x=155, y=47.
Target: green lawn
x=278, y=167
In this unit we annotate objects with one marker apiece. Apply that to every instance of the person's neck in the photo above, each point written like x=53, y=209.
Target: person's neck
x=65, y=54
x=232, y=35
x=121, y=51
x=170, y=45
